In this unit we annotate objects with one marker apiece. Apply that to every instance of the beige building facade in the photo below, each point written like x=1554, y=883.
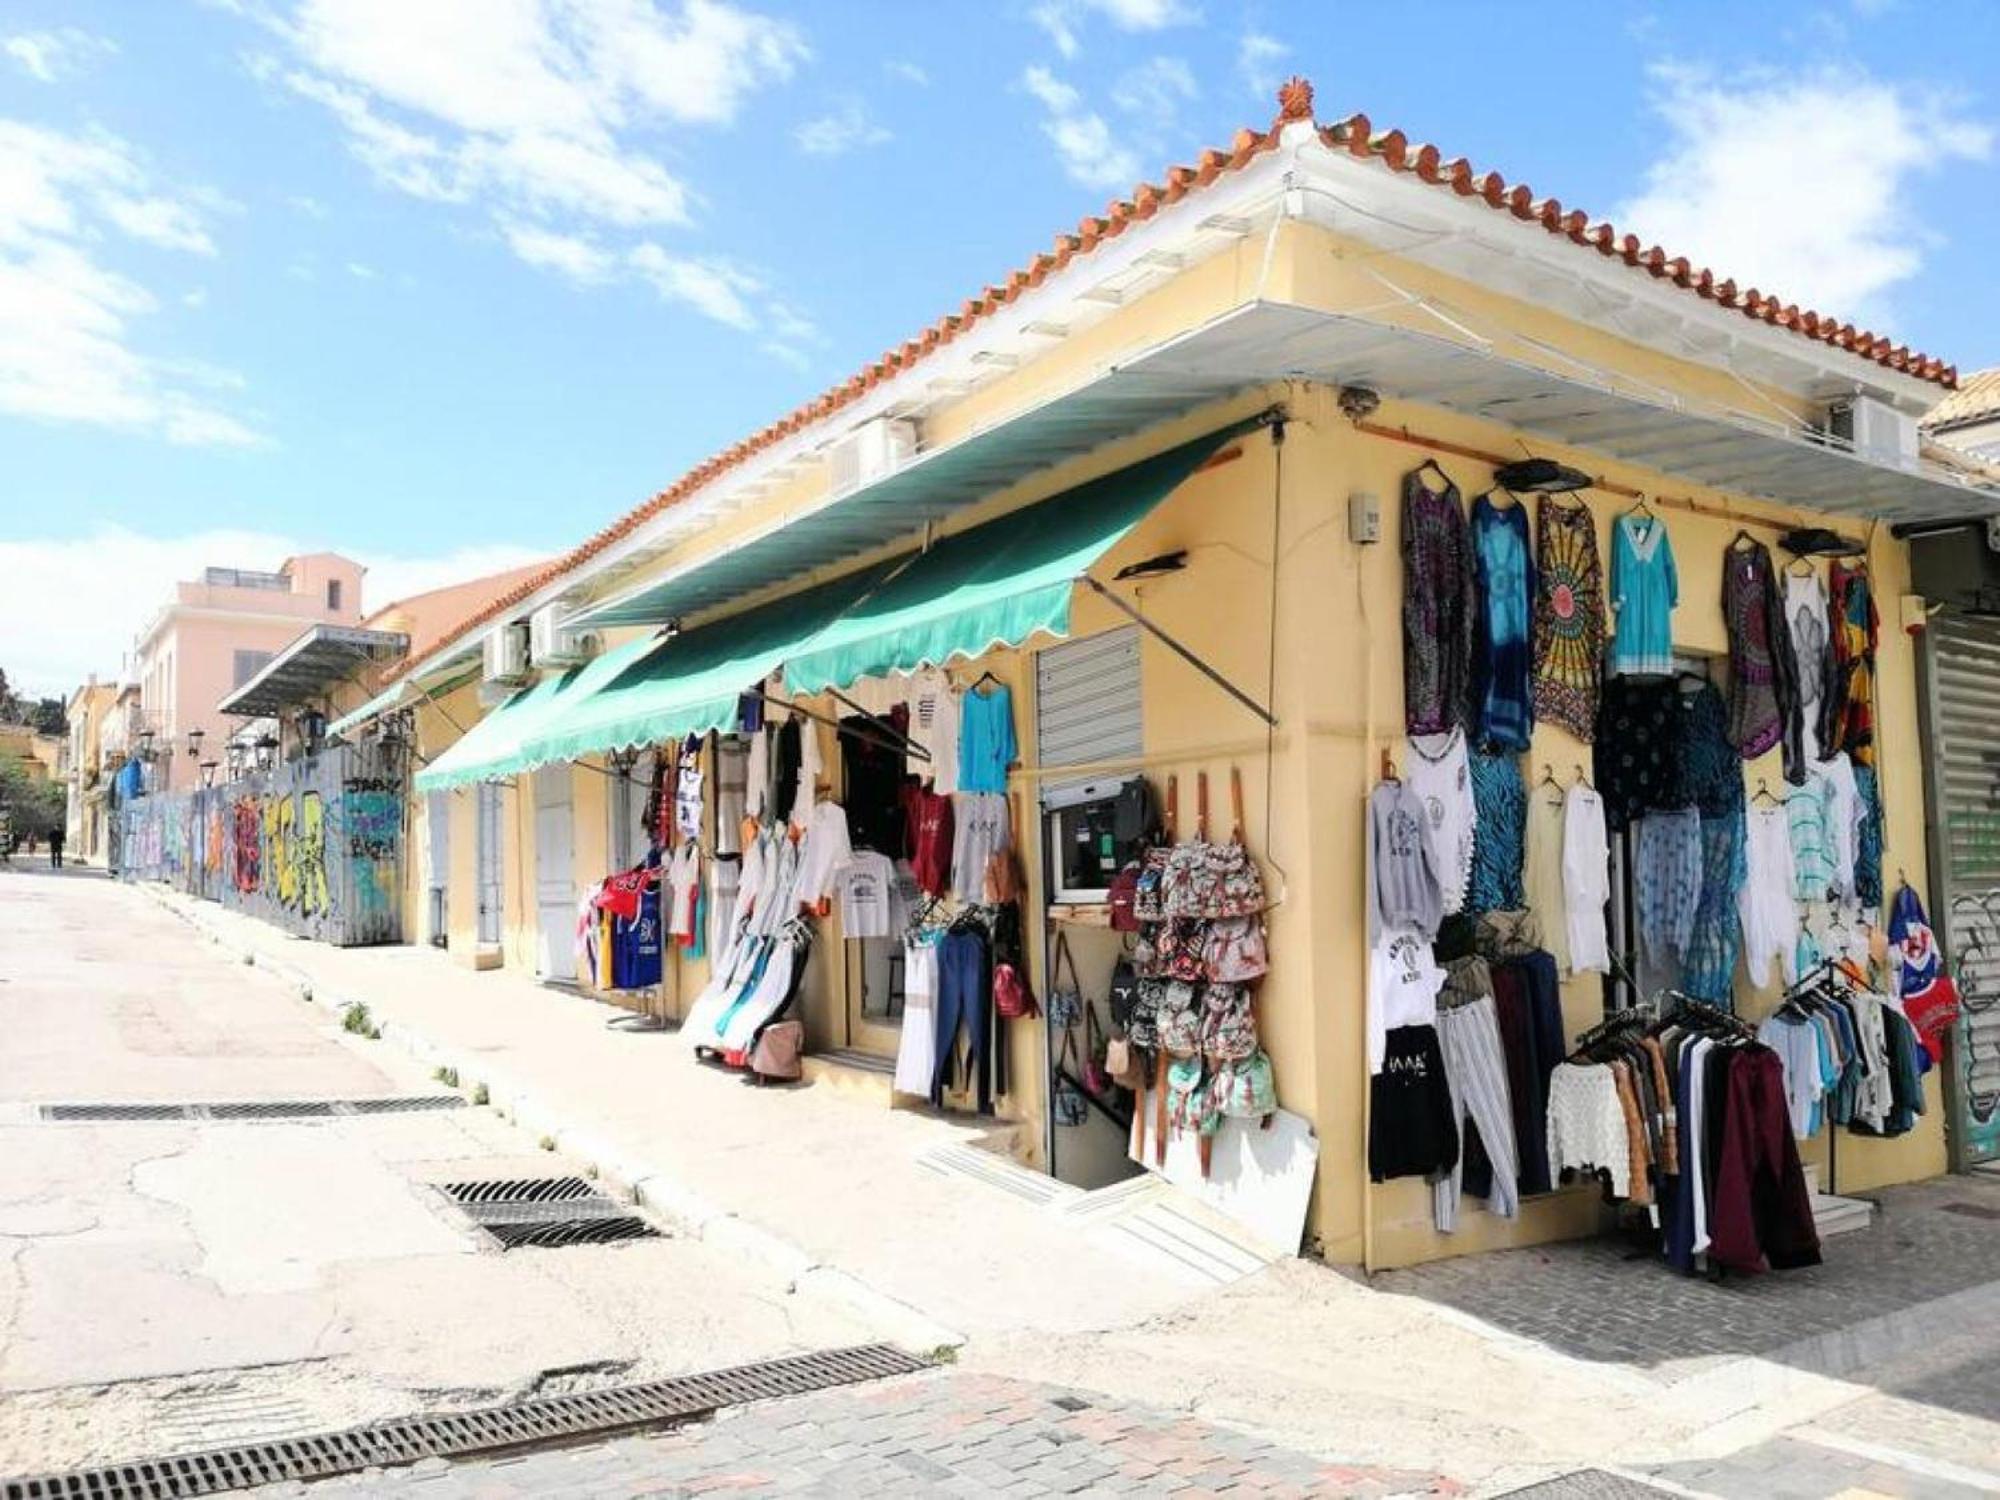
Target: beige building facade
x=1364, y=307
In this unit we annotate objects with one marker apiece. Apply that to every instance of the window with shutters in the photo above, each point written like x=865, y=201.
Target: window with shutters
x=1088, y=706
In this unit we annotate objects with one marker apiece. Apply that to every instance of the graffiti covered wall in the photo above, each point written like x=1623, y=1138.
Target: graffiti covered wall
x=314, y=847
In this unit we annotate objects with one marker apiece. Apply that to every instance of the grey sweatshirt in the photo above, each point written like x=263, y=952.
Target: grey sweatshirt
x=1404, y=890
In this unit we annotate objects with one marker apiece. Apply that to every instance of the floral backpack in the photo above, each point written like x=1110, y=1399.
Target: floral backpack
x=1228, y=1030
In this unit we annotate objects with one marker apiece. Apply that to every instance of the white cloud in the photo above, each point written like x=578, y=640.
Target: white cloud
x=361, y=270
x=1798, y=185
x=104, y=586
x=66, y=315
x=1090, y=153
x=1258, y=59
x=1063, y=19
x=1155, y=91
x=545, y=116
x=844, y=130
x=908, y=71
x=572, y=255
x=308, y=205
x=195, y=297
x=50, y=56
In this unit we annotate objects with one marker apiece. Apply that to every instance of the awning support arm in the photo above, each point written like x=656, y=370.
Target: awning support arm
x=909, y=746
x=864, y=736
x=1181, y=651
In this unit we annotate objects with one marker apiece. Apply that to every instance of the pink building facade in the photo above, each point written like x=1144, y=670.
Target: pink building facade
x=215, y=635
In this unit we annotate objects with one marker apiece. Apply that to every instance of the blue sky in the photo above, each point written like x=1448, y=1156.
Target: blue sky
x=450, y=283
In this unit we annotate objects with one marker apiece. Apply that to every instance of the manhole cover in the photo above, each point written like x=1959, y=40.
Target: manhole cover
x=546, y=1213
x=540, y=1422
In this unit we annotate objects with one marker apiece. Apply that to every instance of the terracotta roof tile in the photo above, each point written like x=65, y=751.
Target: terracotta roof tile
x=1978, y=399
x=1356, y=135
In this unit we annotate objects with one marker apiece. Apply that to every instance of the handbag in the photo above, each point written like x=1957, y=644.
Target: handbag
x=1179, y=950
x=1245, y=1089
x=1191, y=1104
x=1124, y=994
x=1066, y=1101
x=1228, y=1030
x=1211, y=880
x=1096, y=1053
x=1148, y=891
x=1011, y=996
x=1125, y=1063
x=1144, y=1027
x=1123, y=897
x=774, y=1057
x=1235, y=951
x=1065, y=1000
x=1179, y=1021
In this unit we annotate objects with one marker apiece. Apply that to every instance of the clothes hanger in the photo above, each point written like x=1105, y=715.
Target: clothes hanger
x=982, y=679
x=1389, y=768
x=1764, y=791
x=1643, y=508
x=1433, y=465
x=1549, y=777
x=1582, y=779
x=1800, y=567
x=1743, y=540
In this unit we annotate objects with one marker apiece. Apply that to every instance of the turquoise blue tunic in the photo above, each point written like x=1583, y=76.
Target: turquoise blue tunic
x=1644, y=590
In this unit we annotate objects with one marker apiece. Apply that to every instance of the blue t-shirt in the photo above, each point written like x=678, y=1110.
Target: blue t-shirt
x=985, y=739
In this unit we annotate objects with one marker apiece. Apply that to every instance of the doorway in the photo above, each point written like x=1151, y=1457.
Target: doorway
x=486, y=863
x=555, y=875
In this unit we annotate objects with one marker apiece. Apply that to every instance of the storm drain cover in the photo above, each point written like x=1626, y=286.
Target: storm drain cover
x=541, y=1422
x=1590, y=1484
x=546, y=1212
x=249, y=1109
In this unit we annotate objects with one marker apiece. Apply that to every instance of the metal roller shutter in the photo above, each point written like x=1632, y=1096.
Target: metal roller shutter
x=1088, y=703
x=1962, y=712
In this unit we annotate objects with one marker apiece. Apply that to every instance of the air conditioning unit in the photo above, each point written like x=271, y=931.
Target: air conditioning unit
x=873, y=449
x=506, y=655
x=552, y=644
x=1875, y=430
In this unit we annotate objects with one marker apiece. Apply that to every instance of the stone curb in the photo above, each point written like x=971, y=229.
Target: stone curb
x=645, y=1184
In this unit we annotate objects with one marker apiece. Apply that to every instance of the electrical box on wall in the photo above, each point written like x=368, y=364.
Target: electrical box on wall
x=1364, y=518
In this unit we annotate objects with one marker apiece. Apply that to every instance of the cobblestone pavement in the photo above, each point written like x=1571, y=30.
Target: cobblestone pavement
x=1788, y=1468
x=1599, y=1300
x=946, y=1433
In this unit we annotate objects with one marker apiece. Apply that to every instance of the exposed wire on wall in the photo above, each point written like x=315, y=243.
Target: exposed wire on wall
x=1271, y=648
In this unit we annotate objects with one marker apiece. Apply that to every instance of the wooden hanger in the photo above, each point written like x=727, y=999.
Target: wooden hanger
x=1236, y=802
x=1389, y=767
x=1201, y=806
x=1582, y=779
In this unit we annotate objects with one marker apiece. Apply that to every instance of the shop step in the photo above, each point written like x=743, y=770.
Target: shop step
x=854, y=1075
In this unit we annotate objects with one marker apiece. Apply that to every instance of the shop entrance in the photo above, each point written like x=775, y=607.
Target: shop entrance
x=555, y=875
x=486, y=862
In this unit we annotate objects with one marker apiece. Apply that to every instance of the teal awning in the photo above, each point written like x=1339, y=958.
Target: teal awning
x=692, y=683
x=496, y=747
x=996, y=584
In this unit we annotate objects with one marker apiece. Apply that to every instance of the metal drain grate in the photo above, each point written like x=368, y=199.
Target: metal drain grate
x=1585, y=1484
x=543, y=1421
x=546, y=1213
x=249, y=1109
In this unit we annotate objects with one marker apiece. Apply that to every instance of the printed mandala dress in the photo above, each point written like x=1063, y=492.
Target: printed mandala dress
x=1569, y=617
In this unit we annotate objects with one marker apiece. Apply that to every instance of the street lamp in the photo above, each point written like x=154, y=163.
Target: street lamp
x=312, y=724
x=208, y=773
x=145, y=744
x=195, y=737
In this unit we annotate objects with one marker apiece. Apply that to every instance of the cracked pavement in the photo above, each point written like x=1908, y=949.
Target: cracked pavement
x=162, y=1284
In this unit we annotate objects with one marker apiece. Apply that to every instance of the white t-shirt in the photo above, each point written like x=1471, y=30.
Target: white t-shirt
x=825, y=850
x=1442, y=779
x=1403, y=984
x=811, y=769
x=683, y=887
x=934, y=729
x=1586, y=880
x=865, y=886
x=1844, y=816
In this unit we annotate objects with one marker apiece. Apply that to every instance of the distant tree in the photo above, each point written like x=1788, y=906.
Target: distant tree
x=38, y=806
x=47, y=717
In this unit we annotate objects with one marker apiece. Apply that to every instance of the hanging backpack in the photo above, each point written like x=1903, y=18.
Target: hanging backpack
x=1065, y=998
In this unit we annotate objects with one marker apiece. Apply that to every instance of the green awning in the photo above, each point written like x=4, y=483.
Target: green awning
x=692, y=684
x=496, y=747
x=402, y=693
x=996, y=584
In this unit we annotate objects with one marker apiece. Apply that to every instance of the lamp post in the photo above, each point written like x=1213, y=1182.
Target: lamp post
x=145, y=744
x=208, y=773
x=195, y=737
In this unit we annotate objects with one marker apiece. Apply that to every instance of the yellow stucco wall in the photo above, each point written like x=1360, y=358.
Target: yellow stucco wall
x=1326, y=653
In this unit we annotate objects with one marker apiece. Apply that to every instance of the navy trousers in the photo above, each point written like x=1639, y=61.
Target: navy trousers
x=964, y=997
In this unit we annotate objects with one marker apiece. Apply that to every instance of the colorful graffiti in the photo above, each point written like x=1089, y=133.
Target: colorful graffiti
x=314, y=847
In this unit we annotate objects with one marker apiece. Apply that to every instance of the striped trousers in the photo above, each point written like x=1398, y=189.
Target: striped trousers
x=1475, y=1071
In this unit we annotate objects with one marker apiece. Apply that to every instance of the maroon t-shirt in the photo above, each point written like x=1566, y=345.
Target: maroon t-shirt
x=930, y=841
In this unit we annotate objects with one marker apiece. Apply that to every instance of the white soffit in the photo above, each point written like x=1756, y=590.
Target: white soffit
x=1723, y=449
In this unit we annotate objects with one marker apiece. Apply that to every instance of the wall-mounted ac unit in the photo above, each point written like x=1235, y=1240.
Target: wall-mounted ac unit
x=506, y=655
x=552, y=644
x=1875, y=430
x=873, y=449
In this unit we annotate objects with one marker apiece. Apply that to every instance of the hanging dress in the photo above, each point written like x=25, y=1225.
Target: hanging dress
x=1763, y=673
x=1806, y=622
x=1638, y=724
x=1502, y=675
x=1709, y=775
x=1586, y=879
x=1500, y=800
x=1850, y=720
x=1437, y=607
x=1645, y=587
x=1569, y=617
x=1770, y=917
x=1441, y=777
x=1542, y=871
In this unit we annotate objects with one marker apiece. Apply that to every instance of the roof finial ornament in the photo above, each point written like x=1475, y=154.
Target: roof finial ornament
x=1295, y=99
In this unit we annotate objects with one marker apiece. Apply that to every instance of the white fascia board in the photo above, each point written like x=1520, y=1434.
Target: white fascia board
x=1007, y=340
x=1467, y=238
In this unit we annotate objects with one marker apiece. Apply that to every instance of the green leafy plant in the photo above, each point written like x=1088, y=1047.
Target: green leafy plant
x=479, y=1094
x=547, y=1143
x=355, y=1019
x=446, y=1076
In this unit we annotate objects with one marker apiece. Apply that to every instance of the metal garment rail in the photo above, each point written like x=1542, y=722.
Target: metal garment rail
x=528, y=1424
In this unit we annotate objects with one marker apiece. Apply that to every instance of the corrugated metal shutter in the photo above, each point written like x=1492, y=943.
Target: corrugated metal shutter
x=1088, y=702
x=1962, y=660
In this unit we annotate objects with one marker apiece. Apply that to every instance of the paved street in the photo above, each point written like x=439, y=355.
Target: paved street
x=174, y=1285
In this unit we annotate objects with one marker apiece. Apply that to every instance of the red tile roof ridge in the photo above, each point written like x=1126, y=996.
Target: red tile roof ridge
x=1295, y=106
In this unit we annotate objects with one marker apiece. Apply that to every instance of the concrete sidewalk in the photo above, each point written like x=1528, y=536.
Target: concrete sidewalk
x=770, y=1173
